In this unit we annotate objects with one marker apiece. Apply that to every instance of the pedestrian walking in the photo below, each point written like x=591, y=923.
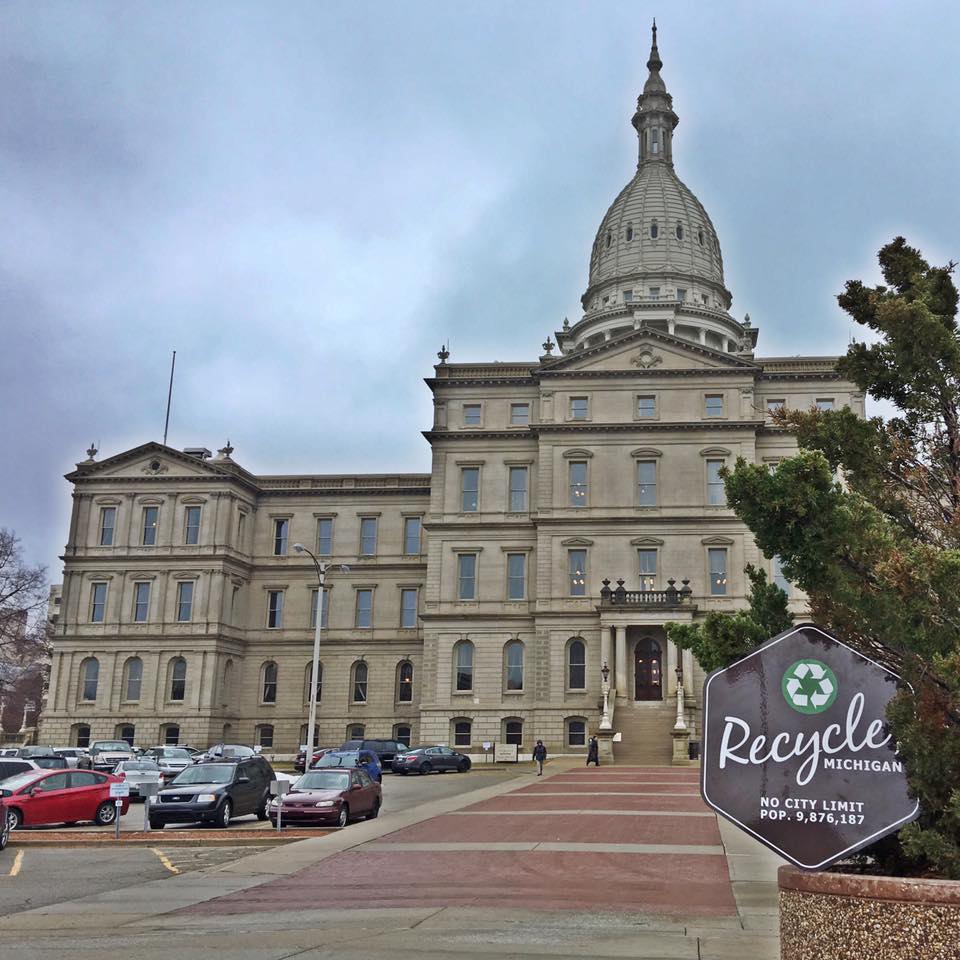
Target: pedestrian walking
x=539, y=755
x=593, y=752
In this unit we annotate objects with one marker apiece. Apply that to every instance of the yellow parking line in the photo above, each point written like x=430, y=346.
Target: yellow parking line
x=17, y=864
x=165, y=860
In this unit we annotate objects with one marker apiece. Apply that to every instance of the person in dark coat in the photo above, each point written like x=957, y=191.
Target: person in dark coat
x=593, y=752
x=539, y=755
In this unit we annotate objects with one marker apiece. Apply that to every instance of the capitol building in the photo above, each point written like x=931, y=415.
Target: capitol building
x=574, y=507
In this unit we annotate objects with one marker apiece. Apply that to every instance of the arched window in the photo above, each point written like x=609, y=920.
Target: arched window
x=700, y=237
x=81, y=735
x=576, y=732
x=679, y=231
x=227, y=685
x=405, y=682
x=89, y=679
x=576, y=665
x=608, y=239
x=629, y=233
x=316, y=735
x=401, y=733
x=513, y=657
x=132, y=678
x=360, y=682
x=462, y=731
x=654, y=230
x=265, y=735
x=513, y=731
x=170, y=734
x=126, y=731
x=308, y=676
x=178, y=679
x=268, y=686
x=463, y=665
x=355, y=731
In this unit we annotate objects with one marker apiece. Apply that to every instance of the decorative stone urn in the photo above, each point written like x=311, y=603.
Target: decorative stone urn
x=847, y=916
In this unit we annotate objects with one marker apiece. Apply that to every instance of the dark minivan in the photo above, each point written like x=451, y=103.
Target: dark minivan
x=214, y=793
x=385, y=750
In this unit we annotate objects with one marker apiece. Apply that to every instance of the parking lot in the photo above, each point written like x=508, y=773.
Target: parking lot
x=32, y=877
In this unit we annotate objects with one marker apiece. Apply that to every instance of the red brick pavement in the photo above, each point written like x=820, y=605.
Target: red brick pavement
x=580, y=801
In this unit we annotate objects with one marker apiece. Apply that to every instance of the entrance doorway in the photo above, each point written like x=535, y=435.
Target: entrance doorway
x=649, y=670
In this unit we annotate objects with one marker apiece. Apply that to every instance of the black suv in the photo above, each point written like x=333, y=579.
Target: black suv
x=214, y=793
x=385, y=750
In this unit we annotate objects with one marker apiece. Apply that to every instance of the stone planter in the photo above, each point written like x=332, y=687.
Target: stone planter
x=845, y=916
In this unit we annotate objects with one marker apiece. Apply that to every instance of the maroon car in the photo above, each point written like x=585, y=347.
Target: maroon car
x=300, y=759
x=331, y=797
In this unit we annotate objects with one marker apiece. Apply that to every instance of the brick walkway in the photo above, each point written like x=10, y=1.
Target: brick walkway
x=625, y=839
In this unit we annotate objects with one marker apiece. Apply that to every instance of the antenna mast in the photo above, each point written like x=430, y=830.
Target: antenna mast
x=166, y=422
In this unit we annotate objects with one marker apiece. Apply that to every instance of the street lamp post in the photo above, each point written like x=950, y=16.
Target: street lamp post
x=605, y=719
x=312, y=721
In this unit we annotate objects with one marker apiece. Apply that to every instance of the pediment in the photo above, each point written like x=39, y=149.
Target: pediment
x=146, y=461
x=649, y=350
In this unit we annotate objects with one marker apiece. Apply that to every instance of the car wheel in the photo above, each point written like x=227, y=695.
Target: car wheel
x=223, y=817
x=344, y=816
x=262, y=809
x=156, y=825
x=4, y=835
x=14, y=819
x=106, y=814
x=425, y=768
x=372, y=815
x=463, y=766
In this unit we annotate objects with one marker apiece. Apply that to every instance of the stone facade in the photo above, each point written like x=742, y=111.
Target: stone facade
x=551, y=481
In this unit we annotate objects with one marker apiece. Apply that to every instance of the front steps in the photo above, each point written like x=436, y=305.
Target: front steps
x=646, y=730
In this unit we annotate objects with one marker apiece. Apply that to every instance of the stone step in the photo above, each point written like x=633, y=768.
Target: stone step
x=646, y=732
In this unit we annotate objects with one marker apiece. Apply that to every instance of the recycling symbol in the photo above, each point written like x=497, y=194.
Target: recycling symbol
x=809, y=686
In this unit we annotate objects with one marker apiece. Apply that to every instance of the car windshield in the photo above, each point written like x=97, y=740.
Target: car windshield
x=113, y=745
x=19, y=780
x=326, y=780
x=205, y=773
x=338, y=760
x=175, y=753
x=135, y=766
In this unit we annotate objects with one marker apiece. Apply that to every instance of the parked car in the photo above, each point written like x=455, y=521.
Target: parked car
x=4, y=825
x=11, y=766
x=214, y=793
x=50, y=761
x=28, y=753
x=226, y=751
x=170, y=760
x=427, y=759
x=138, y=772
x=329, y=796
x=105, y=755
x=351, y=758
x=299, y=761
x=59, y=796
x=71, y=754
x=385, y=750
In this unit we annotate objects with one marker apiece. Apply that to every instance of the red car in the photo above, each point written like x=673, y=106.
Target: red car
x=59, y=796
x=301, y=758
x=329, y=797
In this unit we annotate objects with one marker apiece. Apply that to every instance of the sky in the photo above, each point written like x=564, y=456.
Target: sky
x=305, y=199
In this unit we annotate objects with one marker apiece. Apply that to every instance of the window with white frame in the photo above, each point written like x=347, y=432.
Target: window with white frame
x=141, y=601
x=577, y=572
x=516, y=576
x=364, y=615
x=579, y=408
x=470, y=489
x=281, y=533
x=466, y=576
x=716, y=496
x=90, y=679
x=519, y=414
x=578, y=483
x=647, y=406
x=191, y=526
x=513, y=732
x=268, y=682
x=717, y=561
x=461, y=733
x=824, y=403
x=132, y=679
x=513, y=656
x=98, y=602
x=405, y=682
x=463, y=666
x=401, y=733
x=360, y=674
x=264, y=737
x=324, y=536
x=411, y=536
x=576, y=732
x=576, y=664
x=471, y=415
x=108, y=523
x=648, y=569
x=713, y=404
x=274, y=609
x=177, y=684
x=408, y=608
x=518, y=489
x=647, y=483
x=778, y=578
x=368, y=536
x=151, y=519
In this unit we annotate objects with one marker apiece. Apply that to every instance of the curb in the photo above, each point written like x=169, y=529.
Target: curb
x=163, y=838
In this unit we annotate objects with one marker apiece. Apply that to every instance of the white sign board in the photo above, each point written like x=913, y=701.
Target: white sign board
x=487, y=744
x=119, y=790
x=505, y=753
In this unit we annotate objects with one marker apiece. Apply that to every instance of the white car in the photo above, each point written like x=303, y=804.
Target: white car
x=138, y=772
x=71, y=754
x=170, y=760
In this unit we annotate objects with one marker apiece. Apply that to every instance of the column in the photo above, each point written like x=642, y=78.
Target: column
x=605, y=656
x=621, y=661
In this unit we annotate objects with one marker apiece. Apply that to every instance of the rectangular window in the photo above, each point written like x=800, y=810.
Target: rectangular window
x=141, y=602
x=654, y=293
x=824, y=403
x=716, y=495
x=108, y=523
x=681, y=293
x=718, y=571
x=577, y=567
x=774, y=405
x=281, y=532
x=471, y=414
x=778, y=578
x=408, y=609
x=578, y=483
x=519, y=414
x=470, y=489
x=648, y=569
x=368, y=536
x=364, y=609
x=185, y=601
x=516, y=576
x=151, y=516
x=579, y=408
x=467, y=576
x=647, y=483
x=241, y=529
x=628, y=296
x=518, y=489
x=647, y=407
x=411, y=536
x=313, y=609
x=98, y=602
x=324, y=536
x=274, y=609
x=713, y=405
x=191, y=525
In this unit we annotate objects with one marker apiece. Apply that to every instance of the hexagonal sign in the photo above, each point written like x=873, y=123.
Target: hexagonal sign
x=796, y=748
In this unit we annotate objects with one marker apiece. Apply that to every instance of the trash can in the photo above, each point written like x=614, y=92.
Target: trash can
x=693, y=749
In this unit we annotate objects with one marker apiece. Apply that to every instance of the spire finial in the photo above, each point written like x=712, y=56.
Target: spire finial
x=654, y=63
x=654, y=31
